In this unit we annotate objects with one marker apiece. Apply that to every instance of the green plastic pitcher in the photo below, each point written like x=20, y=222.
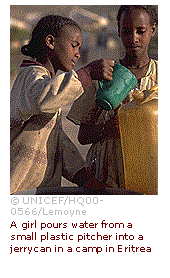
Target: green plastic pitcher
x=111, y=93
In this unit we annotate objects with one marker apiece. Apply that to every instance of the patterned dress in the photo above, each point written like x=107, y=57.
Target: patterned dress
x=40, y=150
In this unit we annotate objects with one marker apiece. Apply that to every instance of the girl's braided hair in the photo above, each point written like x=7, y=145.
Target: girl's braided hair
x=150, y=9
x=50, y=24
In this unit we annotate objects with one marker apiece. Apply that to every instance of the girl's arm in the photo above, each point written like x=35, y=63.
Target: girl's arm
x=35, y=92
x=96, y=70
x=93, y=133
x=54, y=93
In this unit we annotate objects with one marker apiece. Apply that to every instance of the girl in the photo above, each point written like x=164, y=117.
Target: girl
x=40, y=150
x=136, y=25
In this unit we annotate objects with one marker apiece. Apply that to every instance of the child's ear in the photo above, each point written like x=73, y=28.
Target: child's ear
x=153, y=29
x=49, y=41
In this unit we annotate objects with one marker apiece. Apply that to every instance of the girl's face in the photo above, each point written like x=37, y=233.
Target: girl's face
x=135, y=31
x=66, y=49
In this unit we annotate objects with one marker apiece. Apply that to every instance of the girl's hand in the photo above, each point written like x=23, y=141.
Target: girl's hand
x=83, y=178
x=97, y=185
x=100, y=69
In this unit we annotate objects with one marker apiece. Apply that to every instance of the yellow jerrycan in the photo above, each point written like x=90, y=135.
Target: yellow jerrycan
x=138, y=122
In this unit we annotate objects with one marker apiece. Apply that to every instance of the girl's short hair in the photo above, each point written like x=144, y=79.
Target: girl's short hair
x=150, y=9
x=50, y=24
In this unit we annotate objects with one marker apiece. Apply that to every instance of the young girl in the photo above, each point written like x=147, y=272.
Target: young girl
x=136, y=25
x=40, y=150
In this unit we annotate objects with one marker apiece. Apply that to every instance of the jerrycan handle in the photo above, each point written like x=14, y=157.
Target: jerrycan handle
x=141, y=96
x=154, y=88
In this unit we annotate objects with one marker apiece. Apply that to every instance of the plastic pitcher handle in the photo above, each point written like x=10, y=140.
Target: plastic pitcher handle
x=100, y=84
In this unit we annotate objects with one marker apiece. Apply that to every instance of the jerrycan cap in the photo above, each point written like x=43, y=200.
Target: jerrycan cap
x=144, y=96
x=138, y=96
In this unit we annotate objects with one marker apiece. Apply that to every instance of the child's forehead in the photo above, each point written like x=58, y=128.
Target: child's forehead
x=70, y=30
x=139, y=15
x=134, y=11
